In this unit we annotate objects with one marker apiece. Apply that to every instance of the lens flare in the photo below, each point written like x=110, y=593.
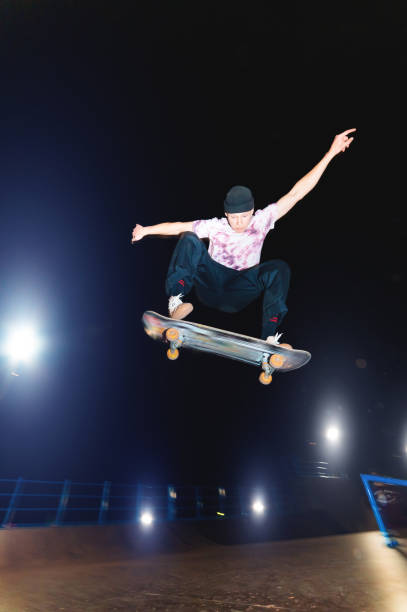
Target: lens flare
x=146, y=518
x=258, y=507
x=21, y=344
x=333, y=434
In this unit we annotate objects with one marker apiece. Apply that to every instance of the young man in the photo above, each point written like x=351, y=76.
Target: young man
x=228, y=275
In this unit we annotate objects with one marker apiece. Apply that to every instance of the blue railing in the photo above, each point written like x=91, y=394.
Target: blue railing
x=316, y=469
x=27, y=503
x=378, y=482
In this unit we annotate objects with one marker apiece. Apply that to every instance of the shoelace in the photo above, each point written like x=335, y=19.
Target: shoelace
x=174, y=302
x=274, y=339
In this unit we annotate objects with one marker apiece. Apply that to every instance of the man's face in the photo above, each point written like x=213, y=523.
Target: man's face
x=239, y=222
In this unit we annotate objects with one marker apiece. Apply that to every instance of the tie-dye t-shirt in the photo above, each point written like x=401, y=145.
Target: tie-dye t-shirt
x=233, y=249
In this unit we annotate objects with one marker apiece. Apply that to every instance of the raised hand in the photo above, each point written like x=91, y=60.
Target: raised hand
x=341, y=142
x=138, y=233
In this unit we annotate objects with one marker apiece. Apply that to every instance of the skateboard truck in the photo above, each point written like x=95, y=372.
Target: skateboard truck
x=266, y=376
x=175, y=339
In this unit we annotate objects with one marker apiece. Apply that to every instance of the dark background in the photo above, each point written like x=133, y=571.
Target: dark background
x=117, y=113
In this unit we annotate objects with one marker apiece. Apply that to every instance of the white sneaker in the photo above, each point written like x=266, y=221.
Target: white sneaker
x=177, y=308
x=274, y=339
x=174, y=302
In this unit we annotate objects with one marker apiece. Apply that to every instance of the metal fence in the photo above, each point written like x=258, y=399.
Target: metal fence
x=374, y=485
x=27, y=503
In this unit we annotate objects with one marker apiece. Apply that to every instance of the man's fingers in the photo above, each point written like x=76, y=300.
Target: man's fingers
x=346, y=145
x=348, y=131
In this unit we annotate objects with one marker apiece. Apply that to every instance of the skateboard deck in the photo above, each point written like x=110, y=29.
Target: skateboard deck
x=186, y=334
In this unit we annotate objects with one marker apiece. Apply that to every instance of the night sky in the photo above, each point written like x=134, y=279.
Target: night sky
x=118, y=113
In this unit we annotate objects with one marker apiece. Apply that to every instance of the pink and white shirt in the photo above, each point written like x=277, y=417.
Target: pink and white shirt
x=233, y=249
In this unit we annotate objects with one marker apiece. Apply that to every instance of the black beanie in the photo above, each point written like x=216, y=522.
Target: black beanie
x=238, y=199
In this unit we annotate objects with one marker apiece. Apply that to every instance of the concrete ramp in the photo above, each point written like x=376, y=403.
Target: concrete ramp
x=23, y=547
x=33, y=547
x=352, y=573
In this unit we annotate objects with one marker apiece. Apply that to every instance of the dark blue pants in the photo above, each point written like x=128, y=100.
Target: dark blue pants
x=226, y=289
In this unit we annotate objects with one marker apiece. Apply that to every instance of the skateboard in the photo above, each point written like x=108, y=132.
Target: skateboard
x=185, y=334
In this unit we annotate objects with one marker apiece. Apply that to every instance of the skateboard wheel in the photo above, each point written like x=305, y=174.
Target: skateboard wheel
x=276, y=360
x=264, y=379
x=173, y=355
x=172, y=334
x=286, y=346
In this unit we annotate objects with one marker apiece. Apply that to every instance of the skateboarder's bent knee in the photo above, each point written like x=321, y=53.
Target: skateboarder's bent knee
x=276, y=268
x=189, y=236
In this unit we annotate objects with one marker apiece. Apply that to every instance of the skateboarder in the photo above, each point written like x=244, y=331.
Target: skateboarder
x=228, y=276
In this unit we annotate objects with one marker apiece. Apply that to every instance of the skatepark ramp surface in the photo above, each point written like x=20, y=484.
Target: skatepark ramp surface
x=39, y=546
x=352, y=572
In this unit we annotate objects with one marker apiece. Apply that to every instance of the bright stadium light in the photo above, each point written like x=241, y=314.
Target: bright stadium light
x=333, y=434
x=146, y=518
x=22, y=343
x=258, y=507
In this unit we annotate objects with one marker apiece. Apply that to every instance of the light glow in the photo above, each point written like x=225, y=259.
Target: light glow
x=333, y=434
x=258, y=507
x=146, y=518
x=21, y=344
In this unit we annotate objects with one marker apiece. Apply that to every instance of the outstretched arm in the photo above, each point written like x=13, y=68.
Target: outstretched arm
x=165, y=229
x=340, y=143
